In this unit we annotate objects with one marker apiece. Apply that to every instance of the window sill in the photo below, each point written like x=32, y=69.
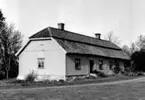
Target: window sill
x=40, y=68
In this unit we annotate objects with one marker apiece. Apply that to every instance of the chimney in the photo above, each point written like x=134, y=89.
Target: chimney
x=98, y=35
x=61, y=26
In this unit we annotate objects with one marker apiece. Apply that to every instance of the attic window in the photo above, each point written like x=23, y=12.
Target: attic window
x=78, y=64
x=41, y=63
x=41, y=44
x=101, y=64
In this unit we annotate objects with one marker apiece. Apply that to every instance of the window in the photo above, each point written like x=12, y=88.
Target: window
x=41, y=44
x=40, y=62
x=78, y=64
x=101, y=64
x=110, y=64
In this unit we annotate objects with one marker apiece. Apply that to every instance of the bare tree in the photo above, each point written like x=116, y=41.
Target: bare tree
x=110, y=37
x=130, y=50
x=126, y=49
x=140, y=43
x=2, y=19
x=10, y=43
x=133, y=48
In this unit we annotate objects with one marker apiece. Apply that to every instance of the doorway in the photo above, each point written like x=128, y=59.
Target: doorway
x=91, y=66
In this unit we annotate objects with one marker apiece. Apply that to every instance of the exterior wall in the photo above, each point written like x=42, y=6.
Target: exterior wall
x=54, y=54
x=70, y=65
x=85, y=65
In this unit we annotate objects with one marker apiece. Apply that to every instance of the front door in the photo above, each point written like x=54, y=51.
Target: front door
x=91, y=66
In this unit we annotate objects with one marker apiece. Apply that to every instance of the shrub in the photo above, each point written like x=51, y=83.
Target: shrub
x=117, y=69
x=31, y=76
x=2, y=74
x=61, y=80
x=101, y=74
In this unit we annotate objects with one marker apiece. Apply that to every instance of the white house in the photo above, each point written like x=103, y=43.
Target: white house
x=57, y=53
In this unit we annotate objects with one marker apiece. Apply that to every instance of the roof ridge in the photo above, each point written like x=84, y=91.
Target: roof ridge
x=65, y=34
x=85, y=36
x=80, y=34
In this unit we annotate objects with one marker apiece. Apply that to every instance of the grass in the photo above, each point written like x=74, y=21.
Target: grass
x=13, y=83
x=123, y=91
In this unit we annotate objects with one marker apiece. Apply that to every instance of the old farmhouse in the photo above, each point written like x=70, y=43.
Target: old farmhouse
x=57, y=53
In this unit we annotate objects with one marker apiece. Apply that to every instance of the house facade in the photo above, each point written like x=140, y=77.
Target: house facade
x=56, y=53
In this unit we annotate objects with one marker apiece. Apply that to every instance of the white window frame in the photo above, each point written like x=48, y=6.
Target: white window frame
x=41, y=62
x=77, y=64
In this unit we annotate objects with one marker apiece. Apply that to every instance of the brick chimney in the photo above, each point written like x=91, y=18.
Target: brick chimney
x=98, y=35
x=61, y=26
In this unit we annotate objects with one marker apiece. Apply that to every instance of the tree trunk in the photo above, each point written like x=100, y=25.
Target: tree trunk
x=7, y=68
x=7, y=72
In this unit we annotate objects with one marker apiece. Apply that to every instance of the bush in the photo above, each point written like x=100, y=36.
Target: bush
x=117, y=70
x=138, y=62
x=61, y=81
x=2, y=74
x=31, y=77
x=101, y=74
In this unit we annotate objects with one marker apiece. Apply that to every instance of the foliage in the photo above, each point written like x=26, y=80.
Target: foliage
x=140, y=43
x=116, y=70
x=126, y=49
x=99, y=73
x=130, y=50
x=10, y=43
x=31, y=76
x=138, y=60
x=2, y=19
x=2, y=74
x=132, y=73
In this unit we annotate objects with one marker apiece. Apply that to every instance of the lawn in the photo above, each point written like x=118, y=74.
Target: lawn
x=13, y=83
x=123, y=91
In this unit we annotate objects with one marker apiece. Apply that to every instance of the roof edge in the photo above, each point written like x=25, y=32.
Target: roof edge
x=101, y=56
x=22, y=48
x=88, y=43
x=31, y=39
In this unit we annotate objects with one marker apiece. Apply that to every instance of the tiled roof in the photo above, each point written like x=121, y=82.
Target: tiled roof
x=77, y=43
x=82, y=48
x=57, y=33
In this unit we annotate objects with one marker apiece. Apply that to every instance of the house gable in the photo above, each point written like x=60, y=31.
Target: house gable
x=48, y=50
x=40, y=44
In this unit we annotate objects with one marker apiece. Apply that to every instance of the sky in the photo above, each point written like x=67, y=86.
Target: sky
x=125, y=18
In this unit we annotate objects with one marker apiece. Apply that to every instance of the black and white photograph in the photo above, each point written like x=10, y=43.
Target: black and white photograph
x=72, y=49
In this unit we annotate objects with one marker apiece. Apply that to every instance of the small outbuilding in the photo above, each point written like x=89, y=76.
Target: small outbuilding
x=58, y=53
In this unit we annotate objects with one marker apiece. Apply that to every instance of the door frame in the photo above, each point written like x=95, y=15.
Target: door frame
x=91, y=65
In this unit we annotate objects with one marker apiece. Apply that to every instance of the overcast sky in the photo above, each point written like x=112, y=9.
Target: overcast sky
x=125, y=18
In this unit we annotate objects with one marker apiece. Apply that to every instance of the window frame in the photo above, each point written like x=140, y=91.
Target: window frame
x=40, y=63
x=77, y=63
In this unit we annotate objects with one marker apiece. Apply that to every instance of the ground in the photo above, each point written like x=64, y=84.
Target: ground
x=120, y=90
